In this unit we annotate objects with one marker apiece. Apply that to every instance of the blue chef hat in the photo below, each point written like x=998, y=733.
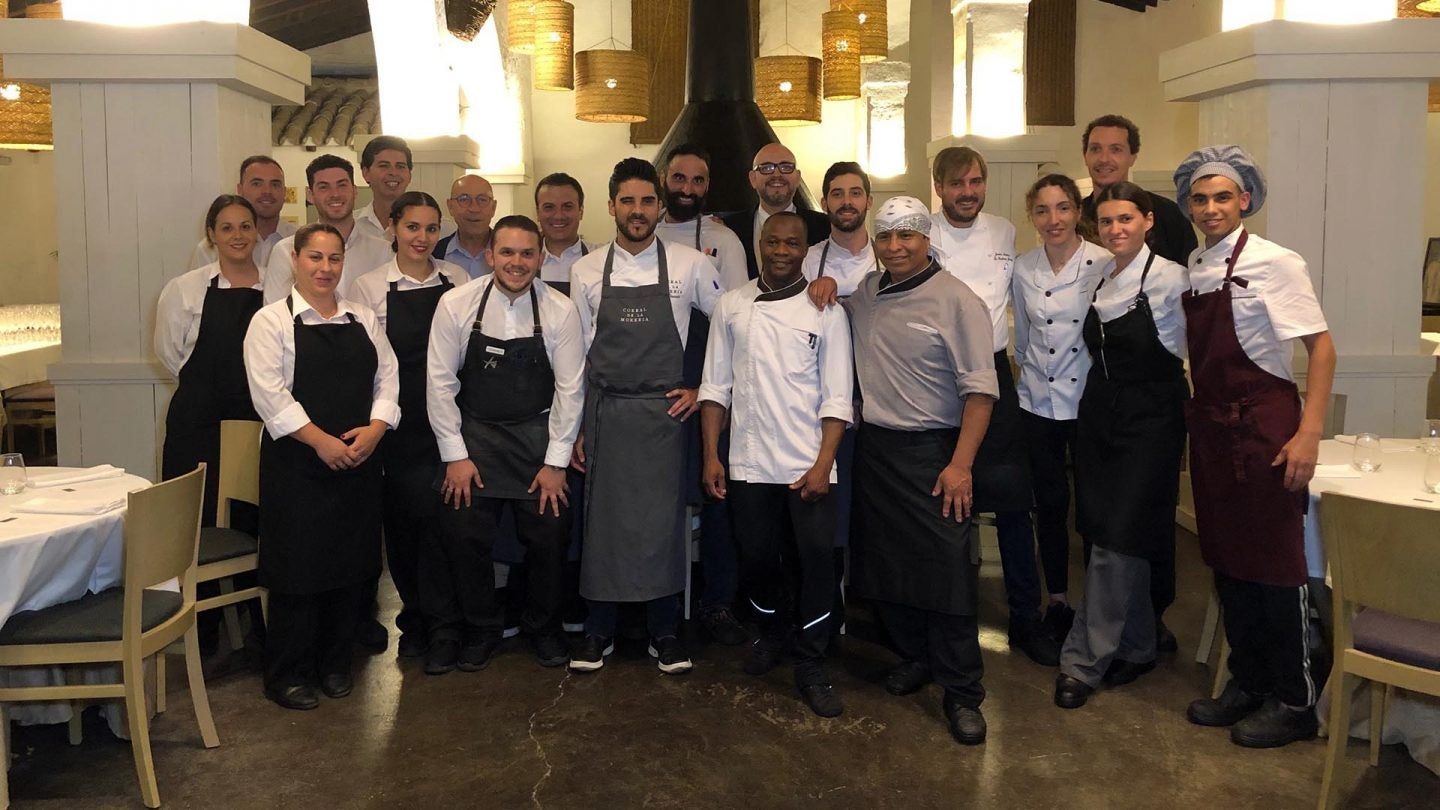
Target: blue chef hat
x=1229, y=161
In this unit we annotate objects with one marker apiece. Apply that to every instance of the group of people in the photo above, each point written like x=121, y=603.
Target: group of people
x=510, y=383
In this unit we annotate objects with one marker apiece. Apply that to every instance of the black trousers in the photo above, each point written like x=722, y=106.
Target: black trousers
x=1048, y=441
x=458, y=569
x=948, y=644
x=787, y=561
x=310, y=635
x=410, y=515
x=1267, y=627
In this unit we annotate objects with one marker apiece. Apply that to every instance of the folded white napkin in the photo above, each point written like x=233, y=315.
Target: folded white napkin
x=76, y=477
x=69, y=506
x=1336, y=471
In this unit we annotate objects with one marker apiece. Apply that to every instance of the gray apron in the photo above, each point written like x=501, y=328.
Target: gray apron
x=634, y=450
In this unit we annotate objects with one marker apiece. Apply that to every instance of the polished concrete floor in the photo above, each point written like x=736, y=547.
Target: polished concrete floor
x=517, y=735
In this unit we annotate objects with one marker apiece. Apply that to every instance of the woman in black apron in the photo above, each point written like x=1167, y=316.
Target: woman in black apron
x=323, y=378
x=1129, y=439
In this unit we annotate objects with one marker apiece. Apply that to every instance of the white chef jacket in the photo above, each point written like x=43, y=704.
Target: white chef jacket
x=840, y=264
x=177, y=316
x=363, y=253
x=270, y=363
x=557, y=268
x=717, y=242
x=505, y=320
x=780, y=366
x=1164, y=285
x=982, y=256
x=204, y=252
x=693, y=282
x=373, y=288
x=760, y=216
x=1277, y=304
x=1050, y=312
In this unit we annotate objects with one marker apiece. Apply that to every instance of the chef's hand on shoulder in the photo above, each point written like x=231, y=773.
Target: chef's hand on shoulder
x=956, y=490
x=1299, y=456
x=814, y=484
x=459, y=476
x=713, y=477
x=823, y=292
x=550, y=483
x=687, y=402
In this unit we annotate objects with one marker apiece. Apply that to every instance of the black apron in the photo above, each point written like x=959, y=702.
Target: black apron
x=212, y=388
x=506, y=388
x=1130, y=433
x=321, y=527
x=563, y=287
x=1002, y=464
x=634, y=450
x=407, y=325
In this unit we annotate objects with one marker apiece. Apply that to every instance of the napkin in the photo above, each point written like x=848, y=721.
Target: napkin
x=69, y=506
x=76, y=477
x=1336, y=471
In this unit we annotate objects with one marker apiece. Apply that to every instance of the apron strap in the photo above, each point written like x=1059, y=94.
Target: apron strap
x=664, y=272
x=1235, y=254
x=485, y=299
x=1140, y=296
x=215, y=282
x=698, y=217
x=824, y=254
x=584, y=251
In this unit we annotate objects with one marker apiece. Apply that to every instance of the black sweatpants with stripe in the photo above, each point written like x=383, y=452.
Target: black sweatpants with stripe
x=1267, y=627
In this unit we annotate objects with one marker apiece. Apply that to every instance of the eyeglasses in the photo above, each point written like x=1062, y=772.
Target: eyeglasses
x=770, y=168
x=465, y=200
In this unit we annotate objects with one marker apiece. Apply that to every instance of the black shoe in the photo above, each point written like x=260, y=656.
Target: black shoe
x=1165, y=640
x=441, y=656
x=590, y=655
x=907, y=678
x=1059, y=618
x=1234, y=705
x=766, y=653
x=476, y=656
x=722, y=626
x=967, y=725
x=337, y=685
x=1274, y=725
x=550, y=649
x=822, y=700
x=300, y=698
x=372, y=637
x=1071, y=693
x=1031, y=639
x=1122, y=672
x=669, y=655
x=411, y=645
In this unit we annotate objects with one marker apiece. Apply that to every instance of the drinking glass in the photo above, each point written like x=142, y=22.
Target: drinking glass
x=1367, y=452
x=1432, y=473
x=12, y=474
x=1430, y=437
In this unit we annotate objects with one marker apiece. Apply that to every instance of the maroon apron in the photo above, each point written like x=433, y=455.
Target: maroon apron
x=1251, y=527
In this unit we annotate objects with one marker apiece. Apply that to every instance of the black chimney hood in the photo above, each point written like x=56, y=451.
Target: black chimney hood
x=720, y=112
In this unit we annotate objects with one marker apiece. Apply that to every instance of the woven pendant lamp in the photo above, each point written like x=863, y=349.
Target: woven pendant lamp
x=787, y=89
x=554, y=67
x=840, y=52
x=24, y=109
x=520, y=26
x=873, y=20
x=612, y=86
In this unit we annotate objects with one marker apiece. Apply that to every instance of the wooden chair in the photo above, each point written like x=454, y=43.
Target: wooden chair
x=1385, y=574
x=224, y=550
x=33, y=406
x=123, y=625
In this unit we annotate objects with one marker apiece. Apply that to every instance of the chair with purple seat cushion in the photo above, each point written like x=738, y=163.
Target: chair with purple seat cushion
x=1385, y=576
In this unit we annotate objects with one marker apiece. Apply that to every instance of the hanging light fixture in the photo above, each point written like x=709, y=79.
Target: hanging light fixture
x=787, y=85
x=840, y=52
x=520, y=26
x=1431, y=6
x=24, y=109
x=873, y=20
x=465, y=18
x=554, y=67
x=612, y=86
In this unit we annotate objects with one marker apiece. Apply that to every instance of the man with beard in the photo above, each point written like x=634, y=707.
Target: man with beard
x=385, y=163
x=687, y=179
x=979, y=249
x=262, y=182
x=836, y=265
x=1112, y=144
x=559, y=207
x=775, y=177
x=472, y=206
x=634, y=298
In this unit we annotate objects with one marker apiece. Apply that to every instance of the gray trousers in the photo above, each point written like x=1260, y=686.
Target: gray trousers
x=1115, y=618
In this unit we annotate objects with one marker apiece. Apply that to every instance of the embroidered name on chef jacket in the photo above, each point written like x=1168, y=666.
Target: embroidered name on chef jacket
x=677, y=288
x=1002, y=257
x=635, y=314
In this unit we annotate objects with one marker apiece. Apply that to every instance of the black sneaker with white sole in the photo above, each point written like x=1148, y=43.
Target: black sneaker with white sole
x=590, y=655
x=670, y=655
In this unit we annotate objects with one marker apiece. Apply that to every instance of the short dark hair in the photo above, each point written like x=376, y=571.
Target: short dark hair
x=519, y=222
x=410, y=199
x=782, y=216
x=1126, y=191
x=957, y=159
x=844, y=167
x=687, y=148
x=380, y=144
x=559, y=179
x=309, y=232
x=221, y=203
x=253, y=159
x=1132, y=132
x=634, y=168
x=324, y=162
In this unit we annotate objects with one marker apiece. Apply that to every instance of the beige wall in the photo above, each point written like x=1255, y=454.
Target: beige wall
x=29, y=266
x=1432, y=176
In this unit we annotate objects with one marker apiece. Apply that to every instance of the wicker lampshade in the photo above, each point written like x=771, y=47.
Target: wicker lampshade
x=840, y=52
x=554, y=67
x=520, y=26
x=465, y=18
x=873, y=20
x=1432, y=6
x=44, y=11
x=787, y=89
x=24, y=109
x=612, y=86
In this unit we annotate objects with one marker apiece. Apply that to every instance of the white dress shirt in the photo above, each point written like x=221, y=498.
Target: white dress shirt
x=373, y=288
x=368, y=221
x=780, y=366
x=177, y=316
x=717, y=242
x=1164, y=285
x=363, y=253
x=204, y=252
x=840, y=264
x=270, y=363
x=1050, y=312
x=1277, y=304
x=760, y=216
x=505, y=320
x=557, y=268
x=693, y=282
x=982, y=256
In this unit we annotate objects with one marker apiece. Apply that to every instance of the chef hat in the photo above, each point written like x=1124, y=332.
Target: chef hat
x=1228, y=161
x=902, y=214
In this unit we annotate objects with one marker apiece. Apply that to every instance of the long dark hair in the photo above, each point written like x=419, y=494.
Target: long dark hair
x=221, y=203
x=1083, y=227
x=409, y=199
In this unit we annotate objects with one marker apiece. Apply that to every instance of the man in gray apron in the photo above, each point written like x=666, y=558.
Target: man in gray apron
x=634, y=298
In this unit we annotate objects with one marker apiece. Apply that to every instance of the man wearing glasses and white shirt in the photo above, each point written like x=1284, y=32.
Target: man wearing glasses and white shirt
x=775, y=178
x=472, y=206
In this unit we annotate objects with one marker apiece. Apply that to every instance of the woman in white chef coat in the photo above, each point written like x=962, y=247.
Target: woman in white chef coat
x=324, y=380
x=1051, y=288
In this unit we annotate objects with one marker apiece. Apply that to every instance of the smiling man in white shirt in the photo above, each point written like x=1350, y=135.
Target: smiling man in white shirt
x=385, y=163
x=262, y=182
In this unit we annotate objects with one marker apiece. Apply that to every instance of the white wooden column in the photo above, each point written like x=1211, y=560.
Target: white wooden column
x=150, y=125
x=1335, y=115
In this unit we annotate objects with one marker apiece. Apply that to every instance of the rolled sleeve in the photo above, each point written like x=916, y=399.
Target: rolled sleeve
x=970, y=349
x=837, y=369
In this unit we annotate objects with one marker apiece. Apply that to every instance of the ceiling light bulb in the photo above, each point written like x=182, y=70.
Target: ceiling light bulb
x=786, y=87
x=554, y=36
x=10, y=92
x=862, y=17
x=611, y=83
